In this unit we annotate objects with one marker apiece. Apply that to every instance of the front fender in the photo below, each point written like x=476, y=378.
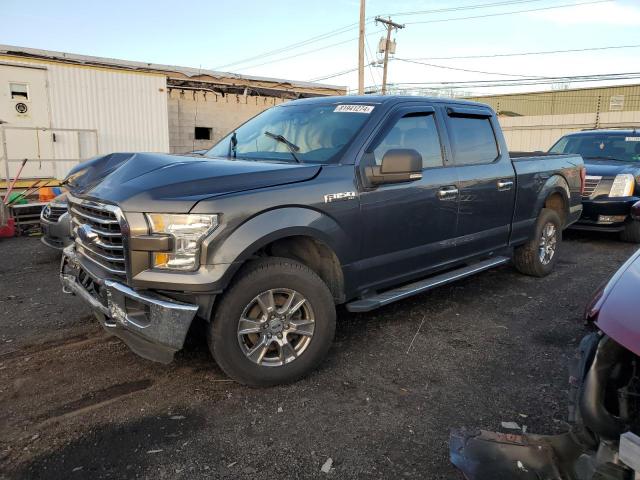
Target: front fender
x=266, y=227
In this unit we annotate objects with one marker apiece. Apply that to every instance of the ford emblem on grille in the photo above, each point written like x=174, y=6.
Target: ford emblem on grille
x=86, y=234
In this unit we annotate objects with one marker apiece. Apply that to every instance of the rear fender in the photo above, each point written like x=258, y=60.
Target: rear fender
x=555, y=184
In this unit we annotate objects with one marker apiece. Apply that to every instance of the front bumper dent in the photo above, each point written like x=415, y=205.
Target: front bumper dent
x=154, y=327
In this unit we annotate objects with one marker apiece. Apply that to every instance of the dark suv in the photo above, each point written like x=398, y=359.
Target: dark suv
x=612, y=159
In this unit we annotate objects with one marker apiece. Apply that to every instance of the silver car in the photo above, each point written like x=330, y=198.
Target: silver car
x=56, y=223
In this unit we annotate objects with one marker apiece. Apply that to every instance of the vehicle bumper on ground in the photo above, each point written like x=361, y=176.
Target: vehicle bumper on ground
x=56, y=234
x=154, y=327
x=606, y=214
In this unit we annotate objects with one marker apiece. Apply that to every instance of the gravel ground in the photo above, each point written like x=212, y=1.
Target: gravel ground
x=75, y=403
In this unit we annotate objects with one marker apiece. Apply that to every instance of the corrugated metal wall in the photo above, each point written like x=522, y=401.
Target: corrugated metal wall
x=129, y=110
x=91, y=110
x=535, y=121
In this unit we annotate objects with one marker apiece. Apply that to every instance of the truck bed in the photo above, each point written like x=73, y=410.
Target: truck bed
x=532, y=174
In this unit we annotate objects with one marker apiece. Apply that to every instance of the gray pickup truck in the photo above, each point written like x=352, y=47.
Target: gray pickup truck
x=360, y=201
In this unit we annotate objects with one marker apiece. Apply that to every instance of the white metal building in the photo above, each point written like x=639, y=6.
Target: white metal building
x=57, y=109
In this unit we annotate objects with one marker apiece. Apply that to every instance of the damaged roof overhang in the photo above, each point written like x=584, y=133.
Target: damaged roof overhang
x=240, y=89
x=224, y=82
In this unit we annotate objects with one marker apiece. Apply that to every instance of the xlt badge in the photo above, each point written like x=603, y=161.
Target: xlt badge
x=334, y=197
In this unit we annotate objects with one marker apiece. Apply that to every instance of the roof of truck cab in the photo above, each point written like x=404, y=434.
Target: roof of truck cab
x=384, y=100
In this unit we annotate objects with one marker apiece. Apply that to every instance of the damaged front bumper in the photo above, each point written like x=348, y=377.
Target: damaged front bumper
x=154, y=327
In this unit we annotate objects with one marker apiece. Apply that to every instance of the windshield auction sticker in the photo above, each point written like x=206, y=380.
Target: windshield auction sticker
x=354, y=108
x=632, y=139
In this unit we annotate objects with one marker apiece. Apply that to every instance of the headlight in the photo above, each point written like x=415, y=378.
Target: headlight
x=187, y=231
x=623, y=185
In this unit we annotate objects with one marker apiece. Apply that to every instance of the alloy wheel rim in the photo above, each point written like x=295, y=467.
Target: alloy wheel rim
x=548, y=243
x=276, y=327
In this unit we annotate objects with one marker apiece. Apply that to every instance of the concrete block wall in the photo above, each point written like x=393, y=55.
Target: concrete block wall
x=189, y=109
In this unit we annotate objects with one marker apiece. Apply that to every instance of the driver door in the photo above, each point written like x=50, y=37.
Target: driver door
x=409, y=228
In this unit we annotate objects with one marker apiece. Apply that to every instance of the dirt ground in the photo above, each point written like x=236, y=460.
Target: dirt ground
x=75, y=403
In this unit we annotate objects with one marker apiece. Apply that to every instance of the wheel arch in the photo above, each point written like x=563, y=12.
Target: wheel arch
x=555, y=195
x=296, y=233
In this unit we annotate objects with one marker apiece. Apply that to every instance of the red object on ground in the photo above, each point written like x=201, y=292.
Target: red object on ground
x=8, y=230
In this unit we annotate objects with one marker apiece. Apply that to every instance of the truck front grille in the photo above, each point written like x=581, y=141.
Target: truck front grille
x=53, y=213
x=590, y=185
x=98, y=235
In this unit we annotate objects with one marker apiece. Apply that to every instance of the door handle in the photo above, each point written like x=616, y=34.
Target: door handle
x=448, y=193
x=504, y=185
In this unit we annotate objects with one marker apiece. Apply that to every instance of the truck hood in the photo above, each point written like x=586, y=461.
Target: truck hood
x=610, y=168
x=618, y=314
x=153, y=182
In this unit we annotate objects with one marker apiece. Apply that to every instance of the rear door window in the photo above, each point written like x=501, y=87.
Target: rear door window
x=473, y=140
x=416, y=131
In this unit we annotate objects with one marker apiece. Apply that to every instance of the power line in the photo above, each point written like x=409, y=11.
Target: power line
x=508, y=13
x=338, y=74
x=353, y=26
x=465, y=69
x=480, y=84
x=295, y=45
x=464, y=7
x=306, y=52
x=519, y=54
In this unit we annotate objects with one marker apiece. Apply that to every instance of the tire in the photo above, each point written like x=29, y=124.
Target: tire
x=528, y=257
x=631, y=232
x=265, y=286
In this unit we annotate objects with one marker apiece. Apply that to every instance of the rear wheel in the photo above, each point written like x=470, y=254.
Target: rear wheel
x=274, y=325
x=538, y=256
x=631, y=232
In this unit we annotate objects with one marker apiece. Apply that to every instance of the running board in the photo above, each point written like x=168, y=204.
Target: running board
x=370, y=303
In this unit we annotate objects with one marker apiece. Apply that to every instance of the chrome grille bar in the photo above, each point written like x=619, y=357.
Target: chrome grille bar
x=98, y=234
x=590, y=185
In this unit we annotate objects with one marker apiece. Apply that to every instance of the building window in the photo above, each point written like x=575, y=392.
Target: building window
x=19, y=91
x=202, y=133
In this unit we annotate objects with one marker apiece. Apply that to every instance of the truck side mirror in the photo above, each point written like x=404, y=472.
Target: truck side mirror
x=398, y=165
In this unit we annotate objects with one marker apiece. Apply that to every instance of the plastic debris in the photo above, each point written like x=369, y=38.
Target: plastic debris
x=510, y=425
x=326, y=467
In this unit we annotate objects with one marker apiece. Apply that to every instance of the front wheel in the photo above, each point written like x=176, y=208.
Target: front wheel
x=631, y=232
x=538, y=256
x=274, y=325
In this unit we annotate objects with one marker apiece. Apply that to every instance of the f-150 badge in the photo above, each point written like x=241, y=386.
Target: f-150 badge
x=334, y=197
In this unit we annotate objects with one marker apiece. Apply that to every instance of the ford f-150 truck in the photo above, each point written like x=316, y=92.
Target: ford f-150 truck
x=359, y=201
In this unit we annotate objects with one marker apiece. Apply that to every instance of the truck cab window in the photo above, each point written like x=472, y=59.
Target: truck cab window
x=415, y=131
x=473, y=140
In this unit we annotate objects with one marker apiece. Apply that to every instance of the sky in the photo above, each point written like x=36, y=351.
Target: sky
x=238, y=37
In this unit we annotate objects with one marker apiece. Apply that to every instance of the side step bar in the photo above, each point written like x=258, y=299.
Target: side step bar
x=375, y=301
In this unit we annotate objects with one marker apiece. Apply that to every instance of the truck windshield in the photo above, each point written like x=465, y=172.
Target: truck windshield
x=621, y=147
x=294, y=133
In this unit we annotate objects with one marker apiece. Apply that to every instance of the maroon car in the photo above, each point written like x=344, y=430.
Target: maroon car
x=603, y=442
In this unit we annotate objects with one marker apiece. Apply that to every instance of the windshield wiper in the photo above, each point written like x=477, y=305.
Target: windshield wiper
x=293, y=148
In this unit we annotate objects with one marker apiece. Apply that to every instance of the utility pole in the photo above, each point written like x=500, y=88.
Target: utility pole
x=361, y=50
x=390, y=26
